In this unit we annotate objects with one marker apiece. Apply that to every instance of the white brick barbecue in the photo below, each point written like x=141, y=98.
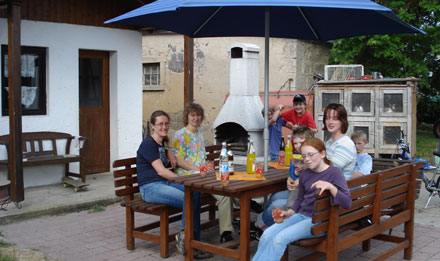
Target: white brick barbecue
x=243, y=106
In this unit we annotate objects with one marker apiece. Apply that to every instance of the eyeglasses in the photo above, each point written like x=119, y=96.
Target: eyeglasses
x=163, y=124
x=309, y=155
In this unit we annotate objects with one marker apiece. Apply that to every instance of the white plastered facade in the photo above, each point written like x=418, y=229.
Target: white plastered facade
x=63, y=42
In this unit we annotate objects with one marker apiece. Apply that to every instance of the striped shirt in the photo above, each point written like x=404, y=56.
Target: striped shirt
x=342, y=153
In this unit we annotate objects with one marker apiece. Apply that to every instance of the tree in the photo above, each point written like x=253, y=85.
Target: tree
x=400, y=55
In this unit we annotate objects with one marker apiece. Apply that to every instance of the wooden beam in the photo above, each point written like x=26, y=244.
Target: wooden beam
x=15, y=156
x=188, y=86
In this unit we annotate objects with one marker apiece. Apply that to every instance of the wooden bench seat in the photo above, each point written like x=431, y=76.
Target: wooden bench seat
x=372, y=196
x=40, y=148
x=126, y=186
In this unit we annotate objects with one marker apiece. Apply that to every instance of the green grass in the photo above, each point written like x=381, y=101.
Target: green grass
x=4, y=244
x=426, y=142
x=4, y=257
x=96, y=208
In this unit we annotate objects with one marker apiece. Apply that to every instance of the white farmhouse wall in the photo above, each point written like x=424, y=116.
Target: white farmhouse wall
x=63, y=42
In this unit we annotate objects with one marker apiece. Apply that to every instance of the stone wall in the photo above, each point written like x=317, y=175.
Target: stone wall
x=289, y=59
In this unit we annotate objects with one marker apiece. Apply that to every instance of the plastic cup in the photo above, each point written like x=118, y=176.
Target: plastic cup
x=210, y=166
x=203, y=170
x=259, y=167
x=276, y=214
x=225, y=178
x=281, y=159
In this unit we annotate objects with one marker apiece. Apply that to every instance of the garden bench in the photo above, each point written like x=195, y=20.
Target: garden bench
x=40, y=148
x=385, y=197
x=126, y=186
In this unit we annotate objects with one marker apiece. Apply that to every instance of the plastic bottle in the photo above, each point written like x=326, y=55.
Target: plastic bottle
x=282, y=154
x=230, y=162
x=250, y=161
x=288, y=149
x=223, y=165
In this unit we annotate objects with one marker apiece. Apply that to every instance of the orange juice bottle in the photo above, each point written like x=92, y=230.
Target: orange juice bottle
x=288, y=149
x=250, y=165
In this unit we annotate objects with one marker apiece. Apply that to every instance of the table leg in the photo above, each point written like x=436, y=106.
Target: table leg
x=244, y=226
x=189, y=222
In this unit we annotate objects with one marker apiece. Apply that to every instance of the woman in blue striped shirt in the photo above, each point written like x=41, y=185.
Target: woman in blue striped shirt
x=341, y=150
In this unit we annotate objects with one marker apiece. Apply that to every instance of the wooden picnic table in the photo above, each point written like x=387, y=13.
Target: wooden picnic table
x=244, y=190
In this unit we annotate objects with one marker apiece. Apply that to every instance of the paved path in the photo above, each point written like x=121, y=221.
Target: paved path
x=101, y=236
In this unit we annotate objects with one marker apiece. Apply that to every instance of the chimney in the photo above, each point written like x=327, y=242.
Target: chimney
x=240, y=116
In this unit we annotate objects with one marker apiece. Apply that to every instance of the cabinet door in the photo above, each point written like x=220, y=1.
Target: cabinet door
x=360, y=102
x=389, y=133
x=393, y=103
x=325, y=97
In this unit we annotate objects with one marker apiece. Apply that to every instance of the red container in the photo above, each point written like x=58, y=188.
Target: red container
x=366, y=77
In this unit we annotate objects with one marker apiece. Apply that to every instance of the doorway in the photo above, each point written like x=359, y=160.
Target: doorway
x=94, y=116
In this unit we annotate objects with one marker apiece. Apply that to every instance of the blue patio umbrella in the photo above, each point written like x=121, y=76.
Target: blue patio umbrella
x=320, y=20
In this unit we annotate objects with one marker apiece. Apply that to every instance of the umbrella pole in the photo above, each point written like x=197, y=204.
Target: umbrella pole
x=266, y=84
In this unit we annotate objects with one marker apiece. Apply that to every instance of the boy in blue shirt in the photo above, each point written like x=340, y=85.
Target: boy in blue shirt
x=364, y=162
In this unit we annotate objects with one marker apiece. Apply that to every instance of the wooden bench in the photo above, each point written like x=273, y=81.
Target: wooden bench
x=374, y=196
x=126, y=186
x=40, y=148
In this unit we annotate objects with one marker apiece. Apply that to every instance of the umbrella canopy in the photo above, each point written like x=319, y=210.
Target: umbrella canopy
x=308, y=20
x=321, y=20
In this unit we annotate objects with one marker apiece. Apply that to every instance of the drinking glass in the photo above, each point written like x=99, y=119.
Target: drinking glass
x=259, y=169
x=276, y=214
x=203, y=170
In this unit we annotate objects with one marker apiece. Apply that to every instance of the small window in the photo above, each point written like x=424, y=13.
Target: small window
x=33, y=80
x=151, y=74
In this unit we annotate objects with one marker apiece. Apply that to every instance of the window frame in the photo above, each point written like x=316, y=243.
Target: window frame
x=41, y=52
x=161, y=62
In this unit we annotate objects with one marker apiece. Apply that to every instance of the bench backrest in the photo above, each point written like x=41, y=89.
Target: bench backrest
x=125, y=178
x=213, y=151
x=381, y=164
x=371, y=194
x=35, y=144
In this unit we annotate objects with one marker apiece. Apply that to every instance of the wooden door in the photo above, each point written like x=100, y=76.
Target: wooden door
x=94, y=109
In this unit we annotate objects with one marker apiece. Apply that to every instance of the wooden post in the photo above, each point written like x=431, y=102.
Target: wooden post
x=188, y=86
x=409, y=225
x=15, y=156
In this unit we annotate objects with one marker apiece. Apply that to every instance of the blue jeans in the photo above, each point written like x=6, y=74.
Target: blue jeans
x=172, y=194
x=273, y=157
x=276, y=200
x=275, y=239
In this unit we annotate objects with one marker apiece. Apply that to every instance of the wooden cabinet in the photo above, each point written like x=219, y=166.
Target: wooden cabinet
x=381, y=108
